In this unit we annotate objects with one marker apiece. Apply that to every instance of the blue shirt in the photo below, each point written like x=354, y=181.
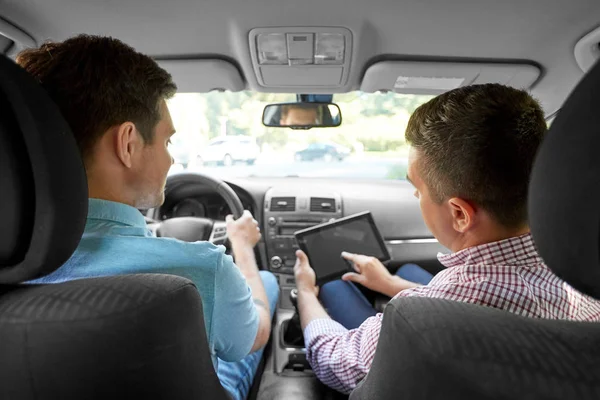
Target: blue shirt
x=117, y=241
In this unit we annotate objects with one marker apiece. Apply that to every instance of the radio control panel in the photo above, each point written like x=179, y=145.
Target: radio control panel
x=288, y=211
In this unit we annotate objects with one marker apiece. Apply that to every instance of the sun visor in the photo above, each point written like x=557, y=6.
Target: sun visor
x=433, y=78
x=201, y=76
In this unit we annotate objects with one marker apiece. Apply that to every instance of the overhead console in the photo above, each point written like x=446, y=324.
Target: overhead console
x=429, y=77
x=301, y=59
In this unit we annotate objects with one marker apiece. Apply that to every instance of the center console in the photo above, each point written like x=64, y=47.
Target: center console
x=285, y=212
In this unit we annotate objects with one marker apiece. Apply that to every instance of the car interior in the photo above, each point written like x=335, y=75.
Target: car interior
x=144, y=336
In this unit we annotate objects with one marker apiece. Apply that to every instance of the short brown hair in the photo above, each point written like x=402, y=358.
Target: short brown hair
x=478, y=143
x=99, y=82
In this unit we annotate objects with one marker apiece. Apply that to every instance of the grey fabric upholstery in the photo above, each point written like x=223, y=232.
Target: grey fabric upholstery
x=431, y=348
x=564, y=195
x=130, y=336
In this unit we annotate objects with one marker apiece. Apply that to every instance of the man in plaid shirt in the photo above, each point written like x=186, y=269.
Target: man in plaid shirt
x=472, y=150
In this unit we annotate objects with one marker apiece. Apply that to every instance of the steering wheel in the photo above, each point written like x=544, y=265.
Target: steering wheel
x=192, y=229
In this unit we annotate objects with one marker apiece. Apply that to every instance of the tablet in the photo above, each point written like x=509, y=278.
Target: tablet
x=323, y=244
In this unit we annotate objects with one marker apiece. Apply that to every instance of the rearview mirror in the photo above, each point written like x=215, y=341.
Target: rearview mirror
x=302, y=115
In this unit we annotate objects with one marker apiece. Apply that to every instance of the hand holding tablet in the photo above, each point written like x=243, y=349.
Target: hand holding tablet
x=324, y=244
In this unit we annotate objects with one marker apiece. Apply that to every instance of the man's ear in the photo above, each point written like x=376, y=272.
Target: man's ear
x=127, y=143
x=463, y=214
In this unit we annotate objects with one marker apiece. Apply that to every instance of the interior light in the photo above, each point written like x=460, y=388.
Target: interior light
x=272, y=49
x=329, y=48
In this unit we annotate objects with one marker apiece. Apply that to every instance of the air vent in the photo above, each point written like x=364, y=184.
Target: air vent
x=283, y=204
x=322, y=204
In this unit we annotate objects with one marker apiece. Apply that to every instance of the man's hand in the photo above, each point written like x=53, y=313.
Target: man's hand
x=371, y=273
x=243, y=231
x=243, y=234
x=309, y=307
x=305, y=275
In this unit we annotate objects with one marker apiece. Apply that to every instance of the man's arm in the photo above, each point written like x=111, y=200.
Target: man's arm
x=243, y=235
x=310, y=308
x=246, y=262
x=371, y=273
x=339, y=358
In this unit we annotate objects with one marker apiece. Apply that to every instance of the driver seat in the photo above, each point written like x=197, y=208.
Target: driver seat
x=136, y=336
x=431, y=348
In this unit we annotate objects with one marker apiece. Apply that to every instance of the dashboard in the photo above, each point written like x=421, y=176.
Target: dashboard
x=203, y=206
x=285, y=205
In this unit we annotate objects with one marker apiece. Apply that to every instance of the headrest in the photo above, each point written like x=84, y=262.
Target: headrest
x=564, y=193
x=43, y=187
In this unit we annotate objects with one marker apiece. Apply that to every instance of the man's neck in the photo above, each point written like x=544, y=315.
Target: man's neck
x=479, y=237
x=98, y=190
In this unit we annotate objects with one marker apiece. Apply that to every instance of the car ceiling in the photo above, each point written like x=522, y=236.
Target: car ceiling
x=543, y=32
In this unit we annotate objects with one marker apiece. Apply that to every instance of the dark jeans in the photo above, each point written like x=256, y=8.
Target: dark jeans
x=346, y=304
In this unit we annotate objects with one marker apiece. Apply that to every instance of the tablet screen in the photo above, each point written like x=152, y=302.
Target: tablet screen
x=324, y=244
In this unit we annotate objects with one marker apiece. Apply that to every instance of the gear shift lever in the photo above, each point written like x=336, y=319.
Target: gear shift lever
x=293, y=335
x=294, y=298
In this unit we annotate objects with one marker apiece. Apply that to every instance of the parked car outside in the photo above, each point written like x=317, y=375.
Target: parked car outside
x=323, y=151
x=226, y=150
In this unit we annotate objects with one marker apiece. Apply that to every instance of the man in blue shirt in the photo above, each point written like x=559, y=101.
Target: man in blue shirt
x=114, y=100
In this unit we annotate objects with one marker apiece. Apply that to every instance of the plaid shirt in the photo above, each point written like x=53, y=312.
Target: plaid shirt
x=509, y=275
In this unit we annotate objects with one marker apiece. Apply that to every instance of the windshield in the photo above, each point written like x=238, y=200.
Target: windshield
x=221, y=134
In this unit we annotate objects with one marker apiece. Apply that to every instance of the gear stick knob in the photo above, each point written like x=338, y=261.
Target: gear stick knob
x=292, y=335
x=294, y=298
